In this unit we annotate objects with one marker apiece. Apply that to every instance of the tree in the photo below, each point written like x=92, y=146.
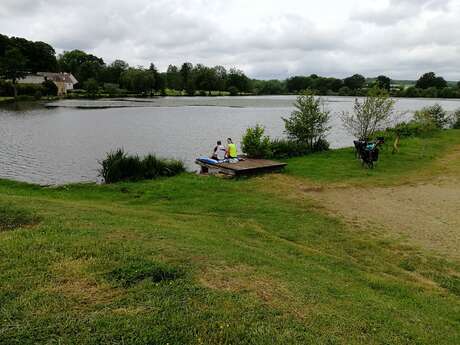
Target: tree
x=431, y=80
x=138, y=80
x=12, y=66
x=383, y=82
x=309, y=122
x=188, y=84
x=91, y=86
x=237, y=79
x=458, y=84
x=173, y=78
x=114, y=71
x=355, y=82
x=298, y=83
x=83, y=66
x=372, y=114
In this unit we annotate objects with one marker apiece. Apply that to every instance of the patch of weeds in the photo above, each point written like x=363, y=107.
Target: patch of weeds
x=12, y=217
x=451, y=283
x=135, y=272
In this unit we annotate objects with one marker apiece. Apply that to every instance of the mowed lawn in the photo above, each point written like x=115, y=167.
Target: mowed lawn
x=201, y=260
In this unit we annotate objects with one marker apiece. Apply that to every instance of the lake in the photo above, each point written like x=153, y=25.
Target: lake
x=63, y=143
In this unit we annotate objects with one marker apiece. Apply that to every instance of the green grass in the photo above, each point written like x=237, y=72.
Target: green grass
x=339, y=165
x=195, y=260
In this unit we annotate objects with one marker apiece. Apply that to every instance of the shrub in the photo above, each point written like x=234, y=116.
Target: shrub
x=373, y=114
x=456, y=119
x=118, y=166
x=308, y=123
x=285, y=148
x=50, y=88
x=30, y=89
x=434, y=114
x=410, y=129
x=255, y=144
x=12, y=217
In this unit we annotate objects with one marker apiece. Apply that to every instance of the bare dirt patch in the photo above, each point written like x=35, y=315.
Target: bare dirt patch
x=427, y=214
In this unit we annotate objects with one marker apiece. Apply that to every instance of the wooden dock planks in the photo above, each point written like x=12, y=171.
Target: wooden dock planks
x=245, y=167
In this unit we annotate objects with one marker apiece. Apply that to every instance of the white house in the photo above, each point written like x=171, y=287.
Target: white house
x=63, y=81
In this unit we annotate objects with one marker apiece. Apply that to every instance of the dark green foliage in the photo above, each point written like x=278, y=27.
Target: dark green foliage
x=408, y=129
x=456, y=119
x=355, y=82
x=431, y=80
x=49, y=88
x=383, y=82
x=138, y=270
x=118, y=166
x=285, y=148
x=91, y=86
x=30, y=89
x=255, y=144
x=12, y=217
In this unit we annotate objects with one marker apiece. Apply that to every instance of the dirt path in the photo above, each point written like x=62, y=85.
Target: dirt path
x=427, y=214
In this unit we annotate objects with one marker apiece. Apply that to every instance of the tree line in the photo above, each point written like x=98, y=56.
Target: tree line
x=19, y=56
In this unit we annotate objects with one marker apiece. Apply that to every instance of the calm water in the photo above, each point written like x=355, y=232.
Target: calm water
x=63, y=144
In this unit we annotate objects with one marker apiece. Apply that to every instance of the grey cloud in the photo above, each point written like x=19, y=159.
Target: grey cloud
x=403, y=39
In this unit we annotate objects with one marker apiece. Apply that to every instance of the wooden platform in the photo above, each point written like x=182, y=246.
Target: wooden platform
x=245, y=167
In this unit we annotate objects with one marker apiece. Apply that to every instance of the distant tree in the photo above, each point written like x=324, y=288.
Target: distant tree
x=113, y=71
x=309, y=122
x=12, y=66
x=158, y=83
x=221, y=78
x=431, y=80
x=372, y=114
x=173, y=78
x=269, y=87
x=237, y=79
x=384, y=82
x=458, y=85
x=297, y=84
x=186, y=72
x=82, y=65
x=355, y=82
x=137, y=80
x=91, y=86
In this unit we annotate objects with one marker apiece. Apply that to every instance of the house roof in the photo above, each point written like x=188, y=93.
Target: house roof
x=59, y=77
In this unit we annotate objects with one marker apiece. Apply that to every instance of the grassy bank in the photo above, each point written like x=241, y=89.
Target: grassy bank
x=195, y=260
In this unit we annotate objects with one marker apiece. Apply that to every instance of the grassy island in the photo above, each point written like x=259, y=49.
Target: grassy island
x=327, y=253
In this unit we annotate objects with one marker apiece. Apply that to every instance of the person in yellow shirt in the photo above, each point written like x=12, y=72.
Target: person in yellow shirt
x=231, y=149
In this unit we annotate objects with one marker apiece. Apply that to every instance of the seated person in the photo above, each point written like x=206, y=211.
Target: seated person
x=219, y=152
x=231, y=152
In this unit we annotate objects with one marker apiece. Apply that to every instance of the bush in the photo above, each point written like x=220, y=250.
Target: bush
x=456, y=120
x=285, y=148
x=410, y=129
x=255, y=144
x=50, y=88
x=12, y=217
x=30, y=89
x=374, y=113
x=434, y=115
x=118, y=166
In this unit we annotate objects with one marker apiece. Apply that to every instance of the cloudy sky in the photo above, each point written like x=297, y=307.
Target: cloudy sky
x=265, y=38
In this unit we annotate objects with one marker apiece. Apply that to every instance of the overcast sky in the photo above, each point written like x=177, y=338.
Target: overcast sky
x=265, y=38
